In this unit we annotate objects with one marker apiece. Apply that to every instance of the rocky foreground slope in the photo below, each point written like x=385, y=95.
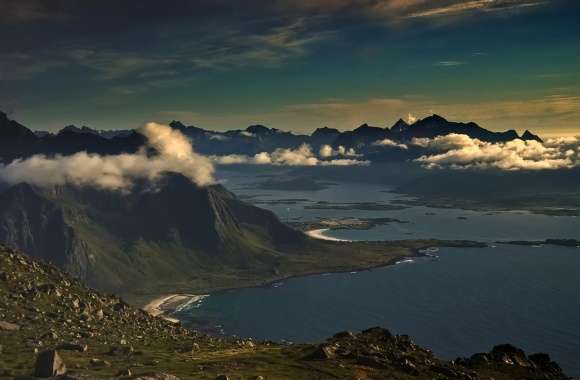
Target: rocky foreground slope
x=52, y=325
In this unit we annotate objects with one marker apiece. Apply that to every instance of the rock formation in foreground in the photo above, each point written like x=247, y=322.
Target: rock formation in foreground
x=52, y=325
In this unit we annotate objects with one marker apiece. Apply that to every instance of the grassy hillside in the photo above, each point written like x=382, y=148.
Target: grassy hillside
x=99, y=336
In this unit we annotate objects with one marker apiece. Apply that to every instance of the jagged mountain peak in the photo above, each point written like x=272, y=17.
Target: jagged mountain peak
x=82, y=130
x=259, y=129
x=400, y=126
x=324, y=131
x=527, y=135
x=12, y=129
x=433, y=119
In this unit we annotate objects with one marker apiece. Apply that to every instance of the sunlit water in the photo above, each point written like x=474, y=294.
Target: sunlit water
x=465, y=302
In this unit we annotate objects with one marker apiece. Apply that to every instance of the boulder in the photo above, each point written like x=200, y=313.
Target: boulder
x=7, y=326
x=324, y=352
x=154, y=376
x=49, y=364
x=73, y=347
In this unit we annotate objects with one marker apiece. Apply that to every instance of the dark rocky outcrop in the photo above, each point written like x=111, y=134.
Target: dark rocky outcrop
x=49, y=364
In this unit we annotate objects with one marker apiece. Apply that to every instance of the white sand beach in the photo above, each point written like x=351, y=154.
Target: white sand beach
x=161, y=306
x=319, y=234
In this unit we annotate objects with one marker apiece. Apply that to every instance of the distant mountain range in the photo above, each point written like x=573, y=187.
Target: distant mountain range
x=18, y=141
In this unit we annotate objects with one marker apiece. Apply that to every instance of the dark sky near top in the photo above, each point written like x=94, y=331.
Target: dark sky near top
x=294, y=65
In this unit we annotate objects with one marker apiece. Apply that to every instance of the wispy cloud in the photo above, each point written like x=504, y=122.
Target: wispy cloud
x=269, y=48
x=16, y=12
x=396, y=10
x=21, y=65
x=113, y=65
x=462, y=7
x=450, y=63
x=265, y=47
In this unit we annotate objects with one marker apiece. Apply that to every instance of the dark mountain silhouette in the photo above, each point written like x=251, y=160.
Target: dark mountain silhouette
x=363, y=135
x=436, y=125
x=527, y=135
x=400, y=126
x=324, y=135
x=15, y=139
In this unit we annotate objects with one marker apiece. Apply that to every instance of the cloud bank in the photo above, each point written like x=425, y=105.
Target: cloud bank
x=302, y=156
x=116, y=172
x=462, y=152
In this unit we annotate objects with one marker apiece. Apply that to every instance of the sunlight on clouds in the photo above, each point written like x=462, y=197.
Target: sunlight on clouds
x=461, y=152
x=301, y=156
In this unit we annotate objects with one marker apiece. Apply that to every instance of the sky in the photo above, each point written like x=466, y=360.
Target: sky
x=294, y=65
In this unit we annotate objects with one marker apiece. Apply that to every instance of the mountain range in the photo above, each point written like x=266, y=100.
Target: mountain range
x=18, y=141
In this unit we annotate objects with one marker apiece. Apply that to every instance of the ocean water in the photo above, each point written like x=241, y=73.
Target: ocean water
x=464, y=302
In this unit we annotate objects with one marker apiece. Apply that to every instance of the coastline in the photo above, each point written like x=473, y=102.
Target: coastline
x=319, y=234
x=166, y=305
x=159, y=306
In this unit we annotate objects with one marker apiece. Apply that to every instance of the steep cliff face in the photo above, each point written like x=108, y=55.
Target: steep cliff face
x=117, y=240
x=35, y=224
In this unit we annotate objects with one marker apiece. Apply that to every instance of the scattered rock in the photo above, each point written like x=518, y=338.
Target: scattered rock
x=154, y=376
x=95, y=362
x=7, y=326
x=73, y=347
x=324, y=352
x=124, y=372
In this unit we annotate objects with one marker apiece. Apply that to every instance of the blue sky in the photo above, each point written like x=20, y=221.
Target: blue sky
x=294, y=65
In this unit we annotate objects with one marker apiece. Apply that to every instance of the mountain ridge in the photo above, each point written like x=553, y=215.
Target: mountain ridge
x=18, y=141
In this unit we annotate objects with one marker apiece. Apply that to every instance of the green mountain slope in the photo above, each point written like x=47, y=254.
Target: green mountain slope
x=114, y=240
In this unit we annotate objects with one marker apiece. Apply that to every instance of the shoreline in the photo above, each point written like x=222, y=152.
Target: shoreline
x=161, y=308
x=165, y=306
x=319, y=234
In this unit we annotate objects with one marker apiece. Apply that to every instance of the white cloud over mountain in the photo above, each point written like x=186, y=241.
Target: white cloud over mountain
x=116, y=172
x=301, y=156
x=461, y=151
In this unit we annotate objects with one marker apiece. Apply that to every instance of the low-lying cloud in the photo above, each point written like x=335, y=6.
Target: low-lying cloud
x=302, y=156
x=390, y=143
x=327, y=151
x=116, y=172
x=462, y=152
